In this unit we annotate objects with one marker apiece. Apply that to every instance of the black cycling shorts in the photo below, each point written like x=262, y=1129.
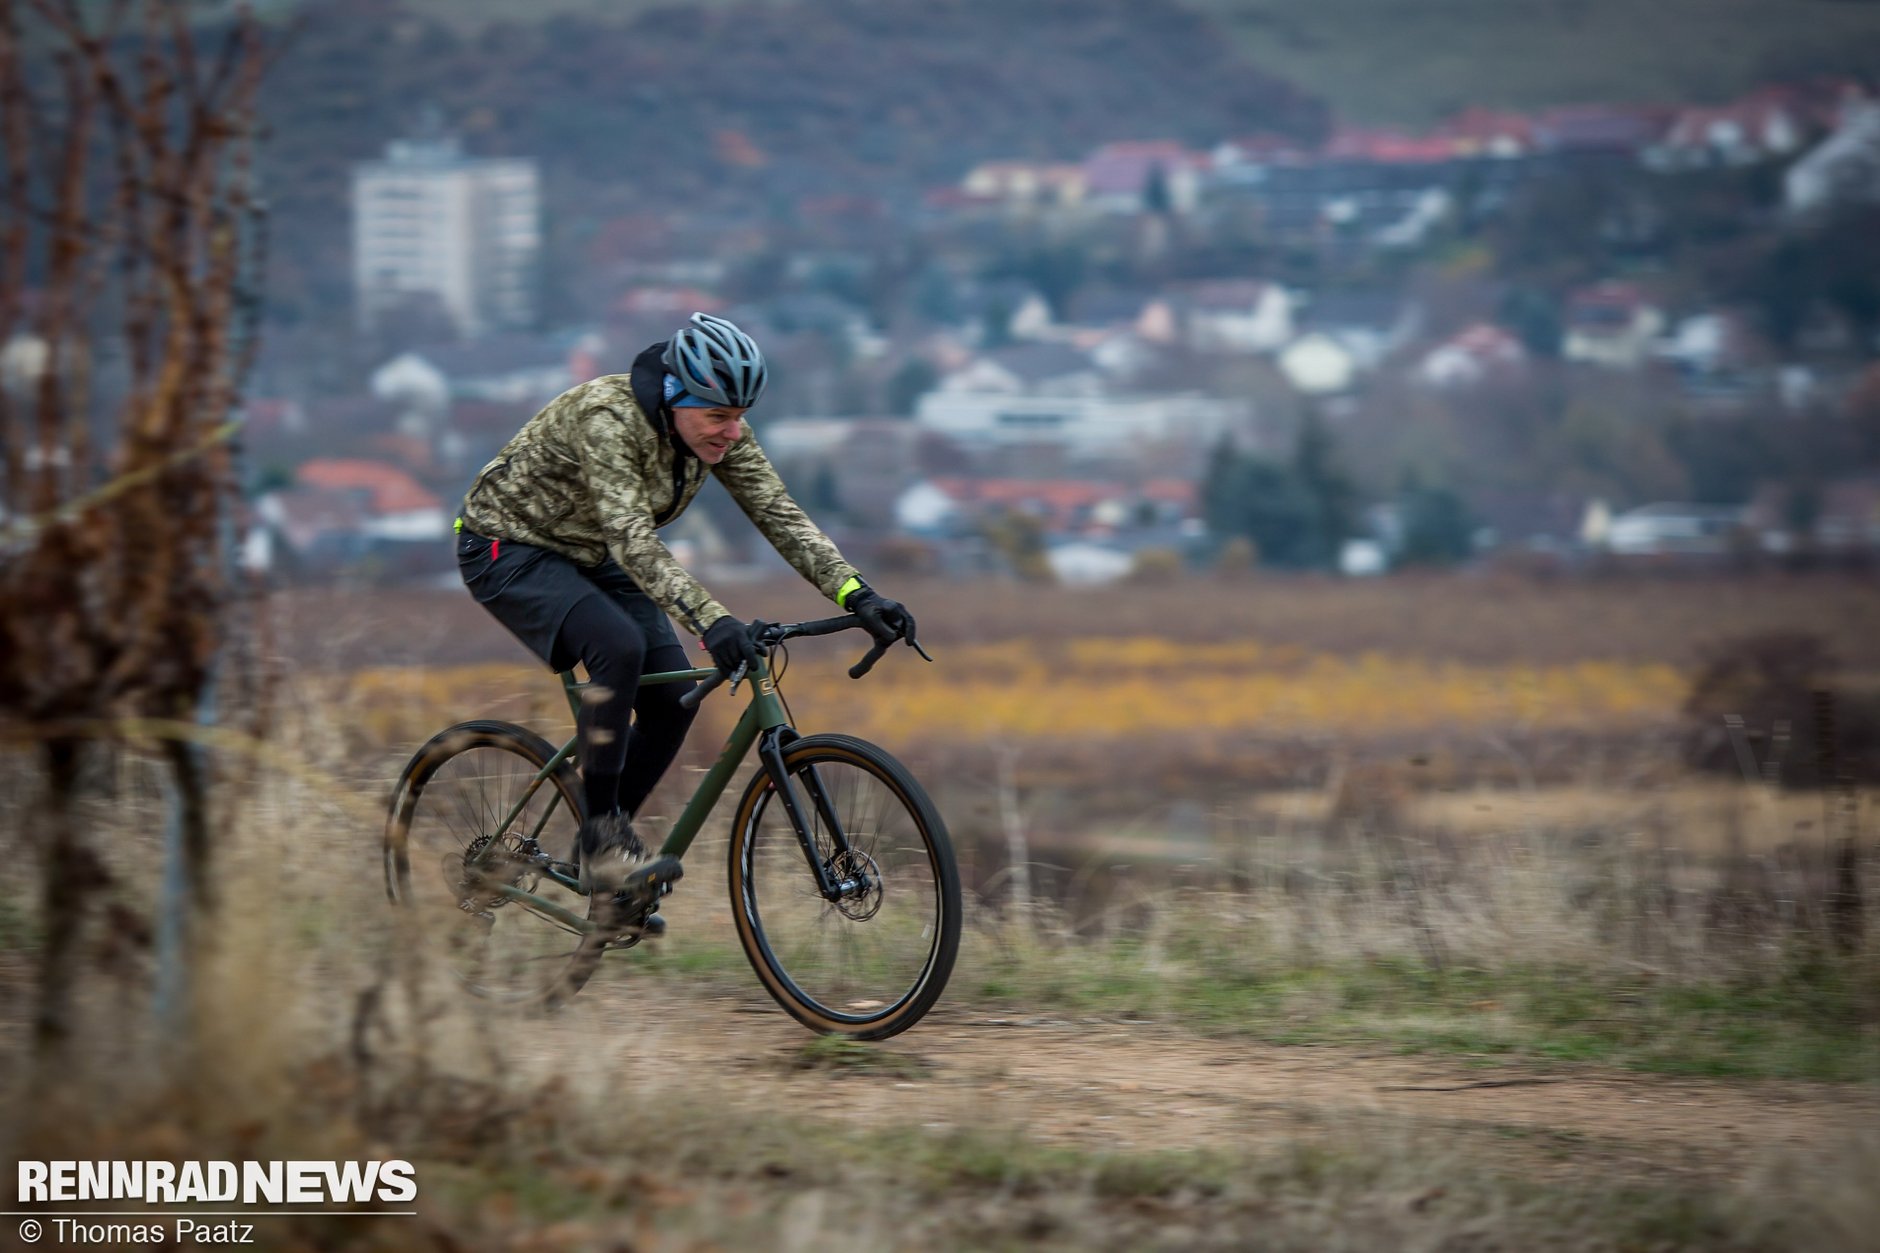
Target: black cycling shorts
x=530, y=591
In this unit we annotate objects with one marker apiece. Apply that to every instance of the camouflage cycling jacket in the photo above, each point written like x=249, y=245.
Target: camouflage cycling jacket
x=591, y=477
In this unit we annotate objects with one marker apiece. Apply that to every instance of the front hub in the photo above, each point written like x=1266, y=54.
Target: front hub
x=858, y=885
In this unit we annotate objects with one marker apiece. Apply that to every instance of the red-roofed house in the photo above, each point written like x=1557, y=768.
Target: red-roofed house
x=383, y=488
x=1614, y=324
x=389, y=502
x=1025, y=185
x=1388, y=147
x=316, y=526
x=1117, y=175
x=1258, y=150
x=1600, y=128
x=1221, y=315
x=1051, y=394
x=1758, y=127
x=1487, y=133
x=342, y=509
x=1082, y=507
x=1474, y=355
x=1177, y=492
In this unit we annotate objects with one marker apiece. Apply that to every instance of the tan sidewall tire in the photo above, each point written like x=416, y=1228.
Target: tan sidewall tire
x=425, y=763
x=886, y=769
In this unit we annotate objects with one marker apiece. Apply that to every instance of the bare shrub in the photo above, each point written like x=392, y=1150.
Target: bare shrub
x=1769, y=682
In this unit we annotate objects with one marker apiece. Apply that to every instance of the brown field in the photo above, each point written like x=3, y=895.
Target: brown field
x=1168, y=717
x=1476, y=618
x=1404, y=927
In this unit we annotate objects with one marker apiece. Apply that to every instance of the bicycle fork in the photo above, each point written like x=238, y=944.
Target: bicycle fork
x=770, y=746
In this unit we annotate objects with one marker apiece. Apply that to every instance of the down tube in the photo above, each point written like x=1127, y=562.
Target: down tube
x=712, y=786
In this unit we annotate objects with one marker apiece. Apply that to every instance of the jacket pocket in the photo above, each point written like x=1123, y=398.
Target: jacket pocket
x=488, y=578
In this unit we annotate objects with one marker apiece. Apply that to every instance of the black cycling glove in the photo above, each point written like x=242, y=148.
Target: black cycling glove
x=731, y=645
x=886, y=620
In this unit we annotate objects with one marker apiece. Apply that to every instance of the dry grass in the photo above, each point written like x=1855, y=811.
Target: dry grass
x=1699, y=816
x=1615, y=921
x=324, y=1035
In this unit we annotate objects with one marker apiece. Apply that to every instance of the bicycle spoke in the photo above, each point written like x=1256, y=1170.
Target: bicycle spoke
x=496, y=946
x=866, y=953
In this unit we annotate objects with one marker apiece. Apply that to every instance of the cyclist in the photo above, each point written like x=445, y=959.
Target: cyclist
x=557, y=538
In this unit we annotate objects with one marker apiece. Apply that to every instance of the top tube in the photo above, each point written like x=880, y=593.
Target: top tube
x=771, y=633
x=569, y=682
x=573, y=689
x=675, y=676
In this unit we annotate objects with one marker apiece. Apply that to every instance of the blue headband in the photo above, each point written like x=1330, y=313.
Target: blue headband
x=679, y=398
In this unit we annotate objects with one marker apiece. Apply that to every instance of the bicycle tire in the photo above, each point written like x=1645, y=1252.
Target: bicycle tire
x=549, y=977
x=784, y=924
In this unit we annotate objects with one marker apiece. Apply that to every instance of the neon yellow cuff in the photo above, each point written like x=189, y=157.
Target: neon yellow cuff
x=843, y=592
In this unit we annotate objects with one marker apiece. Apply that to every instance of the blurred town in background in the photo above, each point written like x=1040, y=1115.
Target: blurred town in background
x=1095, y=298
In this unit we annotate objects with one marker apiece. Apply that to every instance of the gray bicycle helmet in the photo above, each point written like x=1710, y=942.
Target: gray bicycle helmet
x=715, y=361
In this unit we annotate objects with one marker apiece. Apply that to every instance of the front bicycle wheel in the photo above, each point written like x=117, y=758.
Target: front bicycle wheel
x=873, y=961
x=468, y=814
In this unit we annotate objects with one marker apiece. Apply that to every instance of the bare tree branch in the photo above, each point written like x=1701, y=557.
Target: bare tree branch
x=17, y=152
x=126, y=186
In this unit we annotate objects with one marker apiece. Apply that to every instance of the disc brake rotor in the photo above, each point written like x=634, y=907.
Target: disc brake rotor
x=858, y=868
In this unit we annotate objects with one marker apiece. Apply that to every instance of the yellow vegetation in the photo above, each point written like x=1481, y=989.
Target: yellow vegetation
x=1097, y=687
x=1149, y=686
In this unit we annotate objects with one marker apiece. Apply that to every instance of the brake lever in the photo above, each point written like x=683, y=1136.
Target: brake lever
x=869, y=659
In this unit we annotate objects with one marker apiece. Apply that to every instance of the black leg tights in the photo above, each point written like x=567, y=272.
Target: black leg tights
x=611, y=646
x=659, y=727
x=621, y=761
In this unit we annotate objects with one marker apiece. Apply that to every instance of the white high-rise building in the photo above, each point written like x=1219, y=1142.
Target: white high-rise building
x=428, y=219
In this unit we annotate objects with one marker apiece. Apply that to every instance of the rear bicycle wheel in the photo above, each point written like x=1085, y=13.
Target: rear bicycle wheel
x=873, y=962
x=447, y=845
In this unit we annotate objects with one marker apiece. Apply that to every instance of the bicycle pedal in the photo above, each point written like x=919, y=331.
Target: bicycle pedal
x=631, y=926
x=656, y=877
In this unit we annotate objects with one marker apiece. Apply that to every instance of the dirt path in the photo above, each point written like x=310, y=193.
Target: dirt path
x=1114, y=1086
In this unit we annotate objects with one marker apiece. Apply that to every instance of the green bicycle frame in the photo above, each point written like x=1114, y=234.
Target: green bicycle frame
x=763, y=713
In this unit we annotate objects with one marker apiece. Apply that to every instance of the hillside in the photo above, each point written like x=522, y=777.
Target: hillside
x=749, y=104
x=1412, y=60
x=841, y=87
